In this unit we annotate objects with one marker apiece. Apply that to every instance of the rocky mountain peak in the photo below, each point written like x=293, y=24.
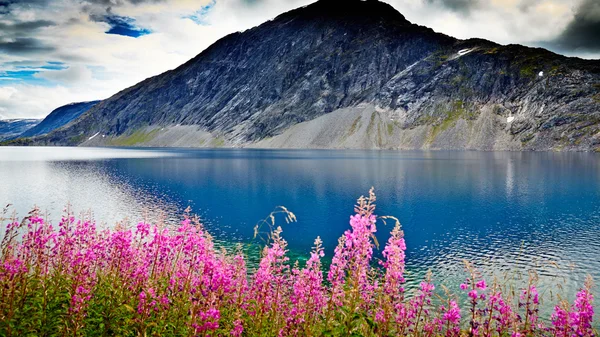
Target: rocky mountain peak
x=360, y=10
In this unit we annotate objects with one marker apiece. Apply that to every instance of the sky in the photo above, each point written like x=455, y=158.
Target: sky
x=55, y=52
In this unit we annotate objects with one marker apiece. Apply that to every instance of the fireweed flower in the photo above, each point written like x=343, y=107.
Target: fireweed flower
x=337, y=272
x=451, y=319
x=308, y=298
x=272, y=277
x=560, y=321
x=582, y=314
x=502, y=313
x=238, y=328
x=360, y=247
x=57, y=280
x=394, y=264
x=419, y=306
x=478, y=313
x=351, y=260
x=529, y=301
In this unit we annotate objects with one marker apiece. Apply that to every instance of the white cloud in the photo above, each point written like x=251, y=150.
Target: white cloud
x=70, y=76
x=30, y=101
x=502, y=21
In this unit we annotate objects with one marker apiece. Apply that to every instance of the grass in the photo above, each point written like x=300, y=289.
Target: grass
x=596, y=97
x=527, y=71
x=217, y=142
x=77, y=139
x=371, y=123
x=492, y=51
x=355, y=125
x=457, y=80
x=17, y=142
x=526, y=138
x=456, y=112
x=136, y=138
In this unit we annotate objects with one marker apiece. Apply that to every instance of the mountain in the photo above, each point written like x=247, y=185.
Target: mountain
x=12, y=128
x=59, y=118
x=354, y=74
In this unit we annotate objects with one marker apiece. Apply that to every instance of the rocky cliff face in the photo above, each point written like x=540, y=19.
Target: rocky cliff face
x=361, y=70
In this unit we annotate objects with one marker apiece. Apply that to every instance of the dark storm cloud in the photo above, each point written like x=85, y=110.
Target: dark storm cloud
x=583, y=33
x=466, y=6
x=527, y=5
x=24, y=27
x=18, y=37
x=3, y=7
x=24, y=46
x=24, y=63
x=460, y=6
x=120, y=2
x=7, y=5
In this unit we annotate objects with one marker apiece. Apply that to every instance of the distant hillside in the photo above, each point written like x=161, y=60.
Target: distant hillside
x=354, y=74
x=11, y=128
x=59, y=118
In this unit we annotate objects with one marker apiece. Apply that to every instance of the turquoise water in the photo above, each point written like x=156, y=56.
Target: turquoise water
x=506, y=212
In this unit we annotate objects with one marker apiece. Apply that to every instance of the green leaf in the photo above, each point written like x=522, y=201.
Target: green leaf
x=129, y=308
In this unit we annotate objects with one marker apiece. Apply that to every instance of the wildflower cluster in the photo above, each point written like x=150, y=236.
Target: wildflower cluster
x=77, y=280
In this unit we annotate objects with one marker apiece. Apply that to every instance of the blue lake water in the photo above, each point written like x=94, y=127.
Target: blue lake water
x=506, y=212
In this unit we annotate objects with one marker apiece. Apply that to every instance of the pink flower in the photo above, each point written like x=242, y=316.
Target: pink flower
x=238, y=328
x=582, y=315
x=394, y=264
x=473, y=294
x=451, y=319
x=352, y=258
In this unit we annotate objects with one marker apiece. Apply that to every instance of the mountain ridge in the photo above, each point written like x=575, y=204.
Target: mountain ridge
x=13, y=128
x=59, y=118
x=256, y=85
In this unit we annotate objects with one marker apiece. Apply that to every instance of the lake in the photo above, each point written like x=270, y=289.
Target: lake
x=506, y=212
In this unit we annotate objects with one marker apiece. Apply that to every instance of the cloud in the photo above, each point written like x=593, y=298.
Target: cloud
x=24, y=46
x=25, y=27
x=583, y=32
x=69, y=76
x=524, y=22
x=17, y=37
x=10, y=4
x=121, y=2
x=200, y=15
x=461, y=6
x=29, y=101
x=235, y=15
